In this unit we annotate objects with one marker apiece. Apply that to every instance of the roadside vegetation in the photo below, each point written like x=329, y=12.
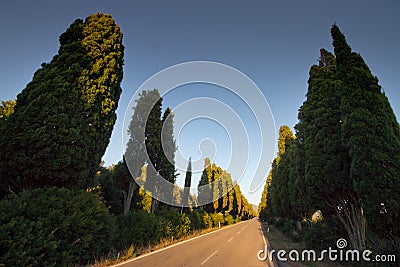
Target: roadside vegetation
x=338, y=176
x=59, y=206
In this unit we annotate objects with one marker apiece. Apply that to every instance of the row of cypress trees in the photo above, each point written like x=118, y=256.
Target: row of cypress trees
x=345, y=157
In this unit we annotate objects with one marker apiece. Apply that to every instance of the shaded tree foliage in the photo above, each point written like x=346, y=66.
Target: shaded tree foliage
x=346, y=158
x=63, y=119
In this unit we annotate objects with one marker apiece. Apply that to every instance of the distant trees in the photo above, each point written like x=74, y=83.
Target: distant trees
x=63, y=119
x=218, y=194
x=345, y=160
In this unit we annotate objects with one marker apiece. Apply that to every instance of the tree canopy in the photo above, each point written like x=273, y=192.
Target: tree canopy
x=63, y=119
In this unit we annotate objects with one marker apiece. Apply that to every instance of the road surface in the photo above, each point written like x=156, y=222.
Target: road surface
x=235, y=245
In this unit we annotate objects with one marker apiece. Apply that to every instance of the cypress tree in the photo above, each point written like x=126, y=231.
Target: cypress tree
x=154, y=150
x=144, y=145
x=135, y=154
x=351, y=145
x=167, y=162
x=64, y=117
x=205, y=187
x=371, y=135
x=326, y=160
x=188, y=181
x=271, y=201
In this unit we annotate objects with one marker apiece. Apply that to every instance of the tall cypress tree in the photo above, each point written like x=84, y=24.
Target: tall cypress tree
x=135, y=154
x=152, y=142
x=168, y=146
x=326, y=160
x=371, y=134
x=188, y=182
x=205, y=187
x=351, y=144
x=64, y=117
x=272, y=201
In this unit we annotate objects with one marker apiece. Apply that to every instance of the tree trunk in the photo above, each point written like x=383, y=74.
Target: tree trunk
x=128, y=197
x=352, y=217
x=298, y=226
x=154, y=205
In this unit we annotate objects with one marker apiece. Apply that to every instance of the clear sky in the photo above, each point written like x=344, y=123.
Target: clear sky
x=273, y=42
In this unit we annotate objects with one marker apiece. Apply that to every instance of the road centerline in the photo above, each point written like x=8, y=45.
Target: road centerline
x=209, y=257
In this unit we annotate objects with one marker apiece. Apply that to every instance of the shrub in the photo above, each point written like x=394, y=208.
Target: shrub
x=207, y=220
x=54, y=227
x=217, y=218
x=196, y=220
x=229, y=220
x=279, y=223
x=139, y=228
x=288, y=226
x=175, y=225
x=323, y=234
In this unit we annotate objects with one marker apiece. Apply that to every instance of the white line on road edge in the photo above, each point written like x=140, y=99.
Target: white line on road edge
x=230, y=239
x=179, y=243
x=209, y=257
x=270, y=263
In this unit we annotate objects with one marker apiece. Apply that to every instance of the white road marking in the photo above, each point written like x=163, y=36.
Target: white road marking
x=209, y=257
x=230, y=239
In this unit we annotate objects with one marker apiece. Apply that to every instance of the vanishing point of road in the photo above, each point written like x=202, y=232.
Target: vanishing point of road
x=235, y=245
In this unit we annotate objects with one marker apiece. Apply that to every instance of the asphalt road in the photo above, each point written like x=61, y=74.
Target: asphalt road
x=235, y=245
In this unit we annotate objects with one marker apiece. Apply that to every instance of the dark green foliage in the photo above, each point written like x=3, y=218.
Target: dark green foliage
x=139, y=228
x=188, y=181
x=109, y=179
x=142, y=229
x=135, y=154
x=63, y=119
x=323, y=234
x=371, y=134
x=205, y=187
x=275, y=201
x=153, y=139
x=347, y=157
x=168, y=147
x=196, y=220
x=54, y=227
x=152, y=142
x=175, y=225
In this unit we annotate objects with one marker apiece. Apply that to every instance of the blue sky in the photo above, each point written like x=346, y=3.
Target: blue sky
x=273, y=42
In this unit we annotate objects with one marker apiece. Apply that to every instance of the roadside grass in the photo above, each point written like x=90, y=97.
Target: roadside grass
x=279, y=241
